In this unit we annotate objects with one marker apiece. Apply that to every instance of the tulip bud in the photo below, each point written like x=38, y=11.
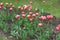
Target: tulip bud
x=22, y=9
x=33, y=15
x=23, y=15
x=30, y=2
x=0, y=7
x=36, y=9
x=11, y=4
x=43, y=18
x=1, y=4
x=11, y=9
x=40, y=24
x=30, y=8
x=31, y=20
x=49, y=17
x=7, y=4
x=17, y=16
x=37, y=14
x=57, y=29
x=25, y=7
x=30, y=13
x=23, y=12
x=44, y=2
x=29, y=16
x=19, y=8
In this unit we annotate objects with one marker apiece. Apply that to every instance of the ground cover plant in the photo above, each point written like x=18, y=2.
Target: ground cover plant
x=26, y=23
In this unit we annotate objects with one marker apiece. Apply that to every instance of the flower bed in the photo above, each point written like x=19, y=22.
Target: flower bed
x=24, y=23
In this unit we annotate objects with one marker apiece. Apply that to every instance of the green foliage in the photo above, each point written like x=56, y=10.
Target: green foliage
x=22, y=28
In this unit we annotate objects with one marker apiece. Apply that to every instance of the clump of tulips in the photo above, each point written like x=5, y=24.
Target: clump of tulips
x=24, y=22
x=58, y=27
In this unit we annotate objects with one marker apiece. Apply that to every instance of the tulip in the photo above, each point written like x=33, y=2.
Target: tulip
x=23, y=12
x=44, y=2
x=11, y=9
x=30, y=2
x=33, y=15
x=36, y=14
x=31, y=20
x=11, y=4
x=40, y=24
x=49, y=17
x=7, y=4
x=17, y=16
x=43, y=18
x=22, y=9
x=1, y=4
x=0, y=7
x=57, y=29
x=23, y=15
x=30, y=13
x=19, y=8
x=36, y=9
x=29, y=16
x=25, y=7
x=30, y=8
x=58, y=26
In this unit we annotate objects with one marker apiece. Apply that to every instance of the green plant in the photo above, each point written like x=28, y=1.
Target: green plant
x=32, y=25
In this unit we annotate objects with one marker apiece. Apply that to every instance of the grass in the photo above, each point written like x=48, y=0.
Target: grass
x=2, y=37
x=51, y=6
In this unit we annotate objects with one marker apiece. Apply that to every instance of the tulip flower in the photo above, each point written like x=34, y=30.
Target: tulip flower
x=25, y=7
x=30, y=8
x=0, y=7
x=36, y=9
x=22, y=9
x=57, y=29
x=23, y=15
x=33, y=15
x=17, y=16
x=1, y=4
x=40, y=24
x=11, y=4
x=49, y=17
x=29, y=16
x=44, y=2
x=11, y=9
x=23, y=12
x=36, y=14
x=19, y=8
x=58, y=25
x=30, y=13
x=30, y=2
x=31, y=20
x=7, y=4
x=43, y=18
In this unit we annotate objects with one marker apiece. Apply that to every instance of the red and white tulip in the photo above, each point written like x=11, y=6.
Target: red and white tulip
x=40, y=24
x=29, y=16
x=17, y=16
x=33, y=15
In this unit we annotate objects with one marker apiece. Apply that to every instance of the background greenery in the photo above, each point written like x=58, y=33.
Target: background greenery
x=52, y=6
